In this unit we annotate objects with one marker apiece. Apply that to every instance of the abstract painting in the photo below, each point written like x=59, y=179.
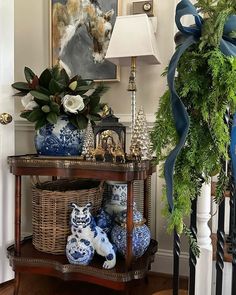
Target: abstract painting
x=80, y=34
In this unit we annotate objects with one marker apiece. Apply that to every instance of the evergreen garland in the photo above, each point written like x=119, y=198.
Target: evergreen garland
x=206, y=83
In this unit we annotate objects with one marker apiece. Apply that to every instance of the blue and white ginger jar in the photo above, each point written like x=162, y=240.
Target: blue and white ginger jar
x=60, y=139
x=141, y=234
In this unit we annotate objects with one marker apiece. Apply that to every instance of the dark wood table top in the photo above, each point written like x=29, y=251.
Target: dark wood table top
x=71, y=166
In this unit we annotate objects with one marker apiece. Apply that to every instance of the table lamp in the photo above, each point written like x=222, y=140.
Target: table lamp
x=132, y=41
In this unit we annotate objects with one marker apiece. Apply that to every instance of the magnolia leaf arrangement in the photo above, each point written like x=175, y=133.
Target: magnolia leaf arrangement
x=54, y=93
x=206, y=84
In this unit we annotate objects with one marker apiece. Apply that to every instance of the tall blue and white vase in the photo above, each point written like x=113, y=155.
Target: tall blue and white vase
x=117, y=197
x=60, y=139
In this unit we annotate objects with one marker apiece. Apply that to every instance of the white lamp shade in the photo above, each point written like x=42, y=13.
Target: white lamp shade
x=132, y=36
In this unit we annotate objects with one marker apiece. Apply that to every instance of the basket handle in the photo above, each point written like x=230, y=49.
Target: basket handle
x=34, y=179
x=101, y=185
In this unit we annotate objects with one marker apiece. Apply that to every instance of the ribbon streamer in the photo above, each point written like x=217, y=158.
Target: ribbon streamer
x=180, y=115
x=233, y=148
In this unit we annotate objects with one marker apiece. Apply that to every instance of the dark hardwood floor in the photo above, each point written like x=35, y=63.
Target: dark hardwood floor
x=43, y=285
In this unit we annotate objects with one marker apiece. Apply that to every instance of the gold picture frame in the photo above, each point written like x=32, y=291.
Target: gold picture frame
x=76, y=30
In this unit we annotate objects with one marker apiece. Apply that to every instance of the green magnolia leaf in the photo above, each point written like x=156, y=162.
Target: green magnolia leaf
x=40, y=123
x=73, y=121
x=52, y=118
x=21, y=86
x=84, y=88
x=45, y=78
x=95, y=109
x=55, y=107
x=64, y=78
x=82, y=121
x=41, y=102
x=40, y=95
x=22, y=93
x=94, y=117
x=55, y=72
x=94, y=102
x=35, y=115
x=86, y=100
x=55, y=87
x=29, y=74
x=85, y=82
x=25, y=114
x=43, y=90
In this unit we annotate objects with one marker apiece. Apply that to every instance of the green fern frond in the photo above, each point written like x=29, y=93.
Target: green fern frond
x=192, y=241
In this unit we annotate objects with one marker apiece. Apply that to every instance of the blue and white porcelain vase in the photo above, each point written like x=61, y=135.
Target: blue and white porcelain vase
x=117, y=197
x=104, y=220
x=60, y=139
x=141, y=234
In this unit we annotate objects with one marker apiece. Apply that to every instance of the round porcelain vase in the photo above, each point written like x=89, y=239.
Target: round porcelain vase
x=141, y=235
x=60, y=139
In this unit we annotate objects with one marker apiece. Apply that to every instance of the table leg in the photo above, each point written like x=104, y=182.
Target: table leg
x=17, y=214
x=147, y=198
x=17, y=283
x=130, y=201
x=17, y=227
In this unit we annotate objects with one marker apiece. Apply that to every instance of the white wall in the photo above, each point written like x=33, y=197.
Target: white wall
x=32, y=49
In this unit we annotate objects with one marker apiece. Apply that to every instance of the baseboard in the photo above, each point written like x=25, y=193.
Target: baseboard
x=163, y=263
x=6, y=284
x=164, y=275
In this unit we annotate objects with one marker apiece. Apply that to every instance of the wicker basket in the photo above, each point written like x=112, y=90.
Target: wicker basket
x=51, y=212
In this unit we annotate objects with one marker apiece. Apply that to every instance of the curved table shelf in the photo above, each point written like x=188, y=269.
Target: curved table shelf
x=34, y=261
x=24, y=258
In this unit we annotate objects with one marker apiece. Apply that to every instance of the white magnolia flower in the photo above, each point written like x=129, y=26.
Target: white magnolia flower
x=28, y=102
x=73, y=104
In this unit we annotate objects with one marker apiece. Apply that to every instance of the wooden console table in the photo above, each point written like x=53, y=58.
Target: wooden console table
x=25, y=258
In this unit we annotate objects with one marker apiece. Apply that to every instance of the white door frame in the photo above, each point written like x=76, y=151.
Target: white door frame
x=7, y=142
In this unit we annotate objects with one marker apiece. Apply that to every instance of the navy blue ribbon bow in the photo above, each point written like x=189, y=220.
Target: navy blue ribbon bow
x=180, y=115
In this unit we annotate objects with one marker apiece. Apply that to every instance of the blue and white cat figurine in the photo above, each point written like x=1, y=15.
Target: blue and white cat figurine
x=86, y=238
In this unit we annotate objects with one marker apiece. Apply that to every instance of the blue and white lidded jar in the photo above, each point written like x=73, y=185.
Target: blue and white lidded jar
x=141, y=234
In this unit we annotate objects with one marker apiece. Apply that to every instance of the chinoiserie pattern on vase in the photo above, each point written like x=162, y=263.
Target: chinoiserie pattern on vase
x=60, y=139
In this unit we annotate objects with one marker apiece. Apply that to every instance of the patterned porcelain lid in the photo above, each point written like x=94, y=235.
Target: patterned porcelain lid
x=137, y=217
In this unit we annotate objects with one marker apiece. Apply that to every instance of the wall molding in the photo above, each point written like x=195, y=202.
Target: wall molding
x=126, y=120
x=24, y=125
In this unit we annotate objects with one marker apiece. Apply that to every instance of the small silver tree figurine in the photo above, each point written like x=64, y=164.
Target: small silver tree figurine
x=141, y=147
x=88, y=146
